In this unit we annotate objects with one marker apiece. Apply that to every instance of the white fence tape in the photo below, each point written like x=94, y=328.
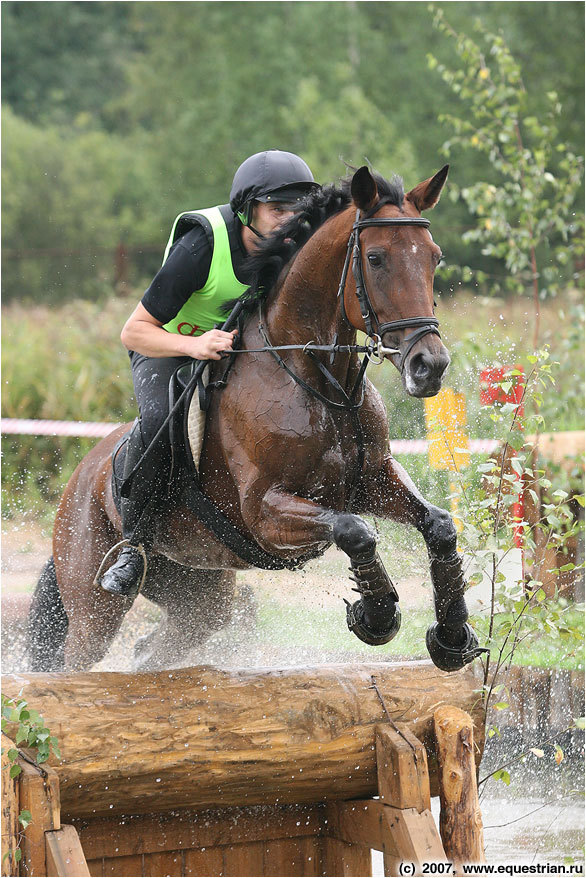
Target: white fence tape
x=24, y=427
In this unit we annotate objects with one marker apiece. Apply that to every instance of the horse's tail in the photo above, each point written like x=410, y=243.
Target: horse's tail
x=47, y=623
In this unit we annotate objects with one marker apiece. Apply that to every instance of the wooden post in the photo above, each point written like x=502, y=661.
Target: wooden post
x=403, y=783
x=341, y=859
x=10, y=812
x=460, y=816
x=65, y=857
x=39, y=794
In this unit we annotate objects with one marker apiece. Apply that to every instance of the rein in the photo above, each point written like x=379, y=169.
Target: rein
x=347, y=401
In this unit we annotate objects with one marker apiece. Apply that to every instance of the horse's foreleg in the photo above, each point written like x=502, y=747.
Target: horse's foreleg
x=390, y=492
x=286, y=522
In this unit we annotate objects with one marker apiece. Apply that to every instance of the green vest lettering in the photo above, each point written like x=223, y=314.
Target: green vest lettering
x=203, y=309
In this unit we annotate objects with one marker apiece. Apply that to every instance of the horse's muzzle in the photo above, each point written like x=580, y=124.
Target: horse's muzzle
x=424, y=371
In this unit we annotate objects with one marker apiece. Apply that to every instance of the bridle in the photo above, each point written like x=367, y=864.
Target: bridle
x=423, y=325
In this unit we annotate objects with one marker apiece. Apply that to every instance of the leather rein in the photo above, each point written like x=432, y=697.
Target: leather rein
x=352, y=401
x=423, y=325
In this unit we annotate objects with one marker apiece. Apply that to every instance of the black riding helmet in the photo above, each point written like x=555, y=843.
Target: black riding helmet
x=272, y=175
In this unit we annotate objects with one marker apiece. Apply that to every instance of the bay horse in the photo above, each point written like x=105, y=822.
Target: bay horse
x=289, y=466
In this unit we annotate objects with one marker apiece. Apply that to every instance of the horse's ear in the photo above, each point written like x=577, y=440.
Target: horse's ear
x=363, y=189
x=427, y=194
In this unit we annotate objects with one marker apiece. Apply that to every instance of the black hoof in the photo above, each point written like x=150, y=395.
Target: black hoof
x=355, y=620
x=447, y=657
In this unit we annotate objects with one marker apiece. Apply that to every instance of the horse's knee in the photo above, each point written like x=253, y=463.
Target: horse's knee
x=354, y=536
x=439, y=532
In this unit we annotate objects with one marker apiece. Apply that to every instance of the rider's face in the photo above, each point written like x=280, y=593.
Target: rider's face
x=266, y=217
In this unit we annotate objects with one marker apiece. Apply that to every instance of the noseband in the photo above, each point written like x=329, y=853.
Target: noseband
x=423, y=325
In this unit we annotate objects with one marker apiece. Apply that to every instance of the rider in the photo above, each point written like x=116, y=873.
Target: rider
x=205, y=265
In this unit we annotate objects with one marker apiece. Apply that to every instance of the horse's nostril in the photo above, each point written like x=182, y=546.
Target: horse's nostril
x=420, y=368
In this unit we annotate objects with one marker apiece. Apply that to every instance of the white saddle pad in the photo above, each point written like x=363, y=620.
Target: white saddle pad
x=196, y=421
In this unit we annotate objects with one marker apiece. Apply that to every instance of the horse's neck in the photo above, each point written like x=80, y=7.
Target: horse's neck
x=306, y=307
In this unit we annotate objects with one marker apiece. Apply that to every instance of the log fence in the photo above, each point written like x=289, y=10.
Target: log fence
x=206, y=772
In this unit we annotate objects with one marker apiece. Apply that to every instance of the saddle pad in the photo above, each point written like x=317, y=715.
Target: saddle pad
x=196, y=421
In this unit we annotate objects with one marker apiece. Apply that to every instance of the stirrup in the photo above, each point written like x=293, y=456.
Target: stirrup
x=121, y=545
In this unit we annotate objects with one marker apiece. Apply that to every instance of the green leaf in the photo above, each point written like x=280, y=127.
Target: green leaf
x=13, y=754
x=15, y=770
x=21, y=735
x=17, y=855
x=501, y=705
x=503, y=775
x=25, y=818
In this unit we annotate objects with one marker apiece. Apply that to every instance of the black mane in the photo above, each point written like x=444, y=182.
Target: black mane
x=273, y=253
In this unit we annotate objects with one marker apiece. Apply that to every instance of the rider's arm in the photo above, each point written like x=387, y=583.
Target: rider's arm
x=186, y=269
x=144, y=334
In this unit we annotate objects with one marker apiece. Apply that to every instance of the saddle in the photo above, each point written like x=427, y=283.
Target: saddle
x=189, y=398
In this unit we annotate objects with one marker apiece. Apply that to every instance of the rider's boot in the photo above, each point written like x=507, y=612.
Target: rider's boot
x=125, y=577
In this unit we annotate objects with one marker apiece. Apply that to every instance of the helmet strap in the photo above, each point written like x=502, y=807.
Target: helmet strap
x=256, y=232
x=245, y=217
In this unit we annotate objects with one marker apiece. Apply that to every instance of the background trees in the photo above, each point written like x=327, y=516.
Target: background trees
x=119, y=115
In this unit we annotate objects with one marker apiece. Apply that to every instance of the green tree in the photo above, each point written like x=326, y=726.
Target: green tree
x=63, y=60
x=527, y=213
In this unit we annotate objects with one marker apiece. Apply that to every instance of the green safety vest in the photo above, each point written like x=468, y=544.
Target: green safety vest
x=203, y=309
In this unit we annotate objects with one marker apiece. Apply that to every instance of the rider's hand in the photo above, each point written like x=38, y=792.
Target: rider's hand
x=210, y=345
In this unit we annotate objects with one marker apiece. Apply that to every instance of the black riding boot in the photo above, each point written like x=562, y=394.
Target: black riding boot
x=124, y=578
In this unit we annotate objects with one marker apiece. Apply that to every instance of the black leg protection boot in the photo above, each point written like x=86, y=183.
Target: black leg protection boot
x=125, y=577
x=450, y=640
x=375, y=618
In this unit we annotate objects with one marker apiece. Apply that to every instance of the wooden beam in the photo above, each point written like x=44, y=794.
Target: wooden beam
x=460, y=815
x=402, y=834
x=361, y=820
x=65, y=858
x=10, y=812
x=401, y=762
x=186, y=830
x=415, y=837
x=202, y=737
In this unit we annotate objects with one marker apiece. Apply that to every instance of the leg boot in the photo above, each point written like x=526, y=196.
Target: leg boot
x=125, y=576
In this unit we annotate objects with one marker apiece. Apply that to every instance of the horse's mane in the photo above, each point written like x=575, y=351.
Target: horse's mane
x=273, y=253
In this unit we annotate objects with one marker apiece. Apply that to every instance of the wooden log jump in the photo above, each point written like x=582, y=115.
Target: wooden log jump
x=266, y=772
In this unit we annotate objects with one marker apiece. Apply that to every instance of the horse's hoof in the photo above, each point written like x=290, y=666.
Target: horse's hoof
x=355, y=620
x=447, y=657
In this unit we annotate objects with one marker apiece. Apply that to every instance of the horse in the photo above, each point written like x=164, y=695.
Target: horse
x=296, y=445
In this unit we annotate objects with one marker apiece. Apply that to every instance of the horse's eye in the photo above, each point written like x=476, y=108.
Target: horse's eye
x=374, y=259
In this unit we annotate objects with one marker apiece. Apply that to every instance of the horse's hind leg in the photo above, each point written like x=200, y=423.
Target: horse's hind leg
x=196, y=603
x=47, y=623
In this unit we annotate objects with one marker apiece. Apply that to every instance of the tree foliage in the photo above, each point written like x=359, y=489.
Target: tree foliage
x=526, y=214
x=119, y=115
